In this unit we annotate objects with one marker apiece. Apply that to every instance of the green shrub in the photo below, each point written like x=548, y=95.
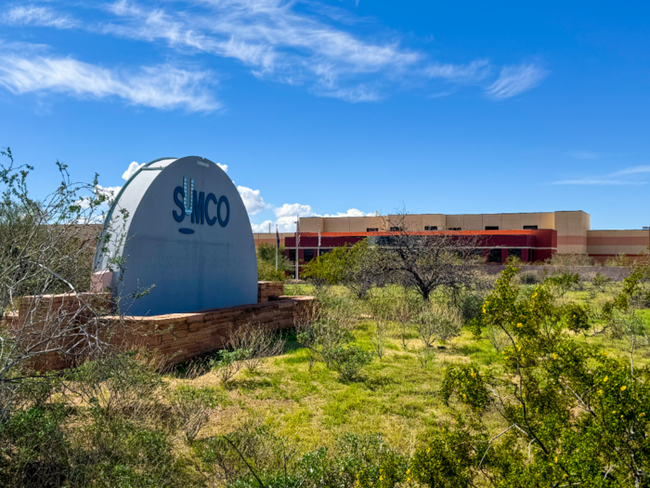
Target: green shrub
x=530, y=278
x=348, y=361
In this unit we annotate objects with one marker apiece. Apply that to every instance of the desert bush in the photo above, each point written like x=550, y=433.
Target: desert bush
x=228, y=362
x=619, y=260
x=530, y=278
x=469, y=304
x=191, y=408
x=257, y=342
x=599, y=281
x=563, y=282
x=252, y=457
x=438, y=322
x=348, y=361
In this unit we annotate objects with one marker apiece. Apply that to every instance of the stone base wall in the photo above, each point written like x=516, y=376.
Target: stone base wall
x=269, y=290
x=184, y=336
x=178, y=336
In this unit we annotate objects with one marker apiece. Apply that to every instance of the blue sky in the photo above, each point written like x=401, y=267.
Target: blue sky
x=343, y=107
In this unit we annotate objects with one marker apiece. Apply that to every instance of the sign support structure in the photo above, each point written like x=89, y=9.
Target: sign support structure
x=297, y=248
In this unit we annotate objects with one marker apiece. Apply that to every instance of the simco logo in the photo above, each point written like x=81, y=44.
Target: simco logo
x=200, y=208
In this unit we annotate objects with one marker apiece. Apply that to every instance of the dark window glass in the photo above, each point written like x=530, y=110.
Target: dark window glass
x=292, y=254
x=491, y=227
x=514, y=252
x=430, y=227
x=308, y=254
x=454, y=228
x=395, y=229
x=494, y=256
x=323, y=251
x=372, y=229
x=531, y=255
x=530, y=227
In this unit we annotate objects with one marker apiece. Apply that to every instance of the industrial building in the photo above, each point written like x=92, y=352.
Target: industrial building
x=529, y=236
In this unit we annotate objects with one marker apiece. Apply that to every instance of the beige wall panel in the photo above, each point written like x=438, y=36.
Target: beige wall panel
x=341, y=224
x=310, y=224
x=361, y=224
x=562, y=223
x=512, y=222
x=618, y=250
x=454, y=221
x=434, y=219
x=474, y=222
x=547, y=220
x=618, y=233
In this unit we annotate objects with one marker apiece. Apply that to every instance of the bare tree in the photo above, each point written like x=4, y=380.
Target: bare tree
x=46, y=250
x=426, y=260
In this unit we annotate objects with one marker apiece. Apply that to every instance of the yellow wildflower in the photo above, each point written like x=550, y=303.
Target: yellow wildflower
x=519, y=325
x=554, y=356
x=623, y=388
x=605, y=379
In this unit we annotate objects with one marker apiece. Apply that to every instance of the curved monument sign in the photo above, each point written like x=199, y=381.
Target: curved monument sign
x=178, y=227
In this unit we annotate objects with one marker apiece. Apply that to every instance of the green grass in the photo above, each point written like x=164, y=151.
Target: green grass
x=395, y=395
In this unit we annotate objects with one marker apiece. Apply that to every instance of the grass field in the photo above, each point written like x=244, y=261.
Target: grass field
x=397, y=395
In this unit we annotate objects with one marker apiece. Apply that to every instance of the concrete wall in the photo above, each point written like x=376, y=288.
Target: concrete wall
x=616, y=273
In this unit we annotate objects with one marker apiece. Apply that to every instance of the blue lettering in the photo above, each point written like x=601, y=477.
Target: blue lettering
x=208, y=199
x=197, y=210
x=178, y=200
x=223, y=222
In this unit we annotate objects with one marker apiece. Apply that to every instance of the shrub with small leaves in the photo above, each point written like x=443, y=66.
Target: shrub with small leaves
x=349, y=360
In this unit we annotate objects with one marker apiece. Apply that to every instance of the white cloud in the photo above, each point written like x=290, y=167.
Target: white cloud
x=43, y=16
x=224, y=167
x=353, y=212
x=287, y=213
x=584, y=155
x=131, y=170
x=264, y=226
x=475, y=71
x=636, y=170
x=626, y=176
x=296, y=43
x=162, y=87
x=597, y=182
x=514, y=80
x=253, y=201
x=292, y=210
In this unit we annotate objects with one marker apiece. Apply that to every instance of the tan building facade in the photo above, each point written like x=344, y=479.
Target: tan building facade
x=574, y=234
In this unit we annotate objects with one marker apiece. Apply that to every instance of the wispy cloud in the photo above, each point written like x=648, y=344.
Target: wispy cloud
x=514, y=80
x=584, y=155
x=635, y=170
x=473, y=72
x=162, y=87
x=617, y=178
x=35, y=15
x=287, y=42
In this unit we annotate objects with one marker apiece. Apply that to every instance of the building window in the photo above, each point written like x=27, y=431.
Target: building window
x=491, y=227
x=292, y=254
x=514, y=252
x=430, y=227
x=323, y=251
x=395, y=229
x=494, y=256
x=308, y=254
x=372, y=229
x=530, y=227
x=454, y=228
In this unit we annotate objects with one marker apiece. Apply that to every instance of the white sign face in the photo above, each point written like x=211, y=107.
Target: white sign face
x=181, y=229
